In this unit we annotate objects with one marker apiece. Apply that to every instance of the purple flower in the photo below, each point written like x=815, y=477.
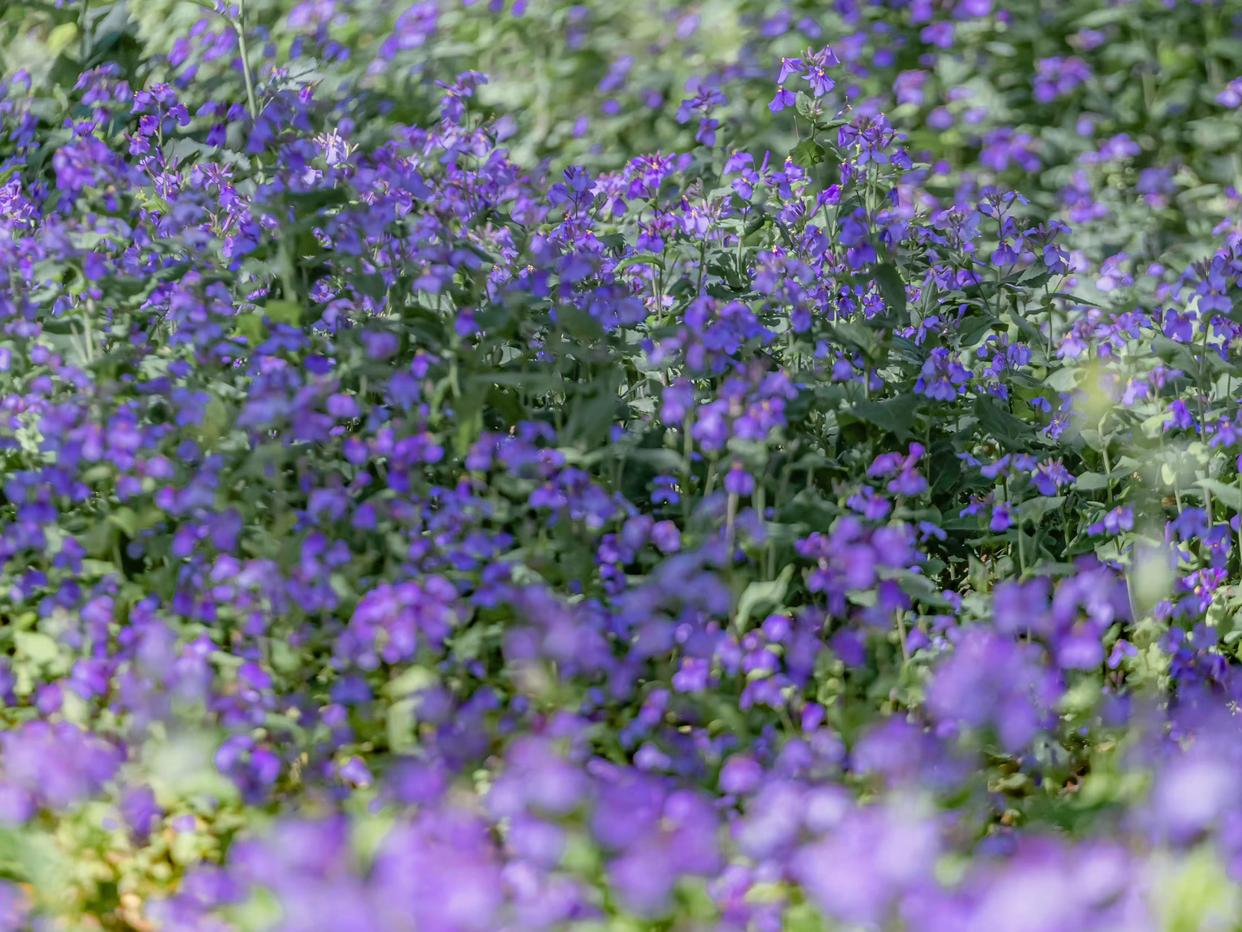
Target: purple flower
x=783, y=99
x=1114, y=522
x=1231, y=96
x=1179, y=416
x=738, y=481
x=992, y=681
x=942, y=377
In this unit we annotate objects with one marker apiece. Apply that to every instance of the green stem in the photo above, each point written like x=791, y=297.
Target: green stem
x=1051, y=325
x=1202, y=387
x=239, y=27
x=1108, y=466
x=1238, y=483
x=687, y=452
x=82, y=36
x=731, y=504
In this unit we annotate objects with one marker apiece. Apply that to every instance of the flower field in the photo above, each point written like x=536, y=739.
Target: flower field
x=533, y=465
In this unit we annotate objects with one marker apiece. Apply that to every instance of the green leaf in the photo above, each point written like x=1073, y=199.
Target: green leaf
x=215, y=420
x=579, y=324
x=860, y=335
x=1063, y=380
x=36, y=646
x=765, y=592
x=1035, y=509
x=591, y=415
x=640, y=258
x=530, y=381
x=284, y=312
x=249, y=326
x=891, y=287
x=1000, y=423
x=1229, y=495
x=400, y=723
x=126, y=519
x=807, y=154
x=61, y=37
x=896, y=415
x=1091, y=482
x=410, y=681
x=33, y=856
x=974, y=327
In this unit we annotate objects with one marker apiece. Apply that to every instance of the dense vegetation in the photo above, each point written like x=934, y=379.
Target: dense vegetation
x=734, y=465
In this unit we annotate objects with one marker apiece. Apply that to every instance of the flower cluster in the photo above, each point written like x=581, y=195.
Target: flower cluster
x=430, y=511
